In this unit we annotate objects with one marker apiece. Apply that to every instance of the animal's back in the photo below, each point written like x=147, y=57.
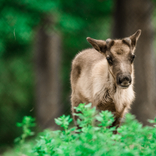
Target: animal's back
x=84, y=62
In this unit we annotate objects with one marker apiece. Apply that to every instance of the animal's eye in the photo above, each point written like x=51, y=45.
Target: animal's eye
x=132, y=58
x=109, y=59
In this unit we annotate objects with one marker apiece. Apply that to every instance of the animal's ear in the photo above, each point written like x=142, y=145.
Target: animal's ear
x=99, y=45
x=134, y=38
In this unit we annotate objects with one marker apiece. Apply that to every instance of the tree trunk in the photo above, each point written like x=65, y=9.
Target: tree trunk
x=47, y=68
x=130, y=16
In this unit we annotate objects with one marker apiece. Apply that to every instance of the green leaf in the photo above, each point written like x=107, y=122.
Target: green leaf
x=58, y=122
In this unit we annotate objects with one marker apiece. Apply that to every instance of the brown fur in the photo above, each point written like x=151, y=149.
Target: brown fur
x=102, y=83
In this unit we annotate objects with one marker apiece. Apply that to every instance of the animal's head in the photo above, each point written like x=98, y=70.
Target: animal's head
x=120, y=56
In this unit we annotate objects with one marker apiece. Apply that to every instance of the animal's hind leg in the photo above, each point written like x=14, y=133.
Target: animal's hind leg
x=75, y=102
x=75, y=118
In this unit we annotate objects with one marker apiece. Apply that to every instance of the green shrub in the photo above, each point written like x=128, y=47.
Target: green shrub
x=95, y=139
x=27, y=122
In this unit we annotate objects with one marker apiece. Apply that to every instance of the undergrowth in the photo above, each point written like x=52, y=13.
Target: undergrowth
x=94, y=139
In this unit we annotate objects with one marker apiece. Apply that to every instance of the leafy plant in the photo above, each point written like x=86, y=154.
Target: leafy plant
x=95, y=138
x=26, y=124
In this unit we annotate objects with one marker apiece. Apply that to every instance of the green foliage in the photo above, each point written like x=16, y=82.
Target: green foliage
x=23, y=146
x=95, y=138
x=27, y=122
x=18, y=21
x=63, y=121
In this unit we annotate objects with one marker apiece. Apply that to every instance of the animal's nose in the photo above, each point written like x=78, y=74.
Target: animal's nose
x=124, y=80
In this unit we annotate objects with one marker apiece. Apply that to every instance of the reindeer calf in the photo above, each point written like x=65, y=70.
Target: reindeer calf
x=104, y=76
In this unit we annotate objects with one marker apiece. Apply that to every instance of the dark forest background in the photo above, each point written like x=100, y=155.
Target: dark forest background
x=39, y=39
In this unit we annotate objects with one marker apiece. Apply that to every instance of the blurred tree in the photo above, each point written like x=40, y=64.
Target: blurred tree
x=130, y=16
x=48, y=70
x=18, y=20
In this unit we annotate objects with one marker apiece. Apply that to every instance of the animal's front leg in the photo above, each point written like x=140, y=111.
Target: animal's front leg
x=118, y=118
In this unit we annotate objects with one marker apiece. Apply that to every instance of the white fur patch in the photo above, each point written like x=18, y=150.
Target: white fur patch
x=123, y=98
